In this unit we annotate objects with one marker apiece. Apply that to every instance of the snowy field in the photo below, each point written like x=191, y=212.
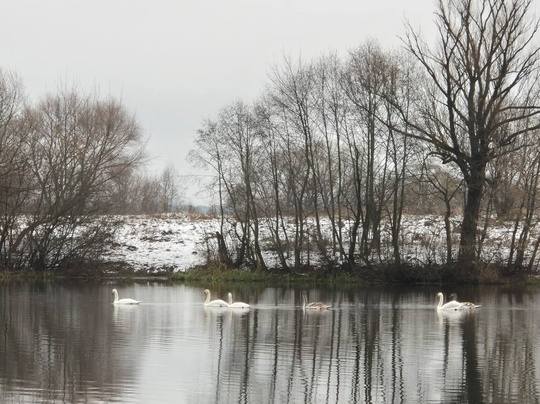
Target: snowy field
x=156, y=243
x=178, y=242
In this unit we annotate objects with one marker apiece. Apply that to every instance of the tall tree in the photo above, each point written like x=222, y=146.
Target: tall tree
x=481, y=93
x=369, y=74
x=290, y=93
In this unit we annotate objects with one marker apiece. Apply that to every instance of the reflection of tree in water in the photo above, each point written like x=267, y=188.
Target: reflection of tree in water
x=509, y=355
x=367, y=352
x=63, y=342
x=70, y=344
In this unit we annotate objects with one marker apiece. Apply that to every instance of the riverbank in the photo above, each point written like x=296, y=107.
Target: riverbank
x=178, y=248
x=204, y=275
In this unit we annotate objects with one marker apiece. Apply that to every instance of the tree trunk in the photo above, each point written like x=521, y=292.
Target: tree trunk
x=224, y=257
x=467, y=268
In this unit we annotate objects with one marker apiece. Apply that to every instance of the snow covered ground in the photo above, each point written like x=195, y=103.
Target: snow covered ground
x=166, y=242
x=178, y=242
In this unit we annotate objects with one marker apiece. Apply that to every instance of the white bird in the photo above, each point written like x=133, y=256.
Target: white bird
x=237, y=305
x=464, y=305
x=313, y=305
x=452, y=305
x=213, y=303
x=123, y=301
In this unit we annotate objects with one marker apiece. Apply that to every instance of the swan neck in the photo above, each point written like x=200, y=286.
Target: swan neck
x=230, y=298
x=115, y=295
x=207, y=298
x=440, y=301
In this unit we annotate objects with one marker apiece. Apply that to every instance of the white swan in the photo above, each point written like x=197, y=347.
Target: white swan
x=213, y=303
x=313, y=305
x=464, y=305
x=123, y=301
x=452, y=305
x=237, y=305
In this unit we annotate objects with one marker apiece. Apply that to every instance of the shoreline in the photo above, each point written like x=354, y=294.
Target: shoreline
x=216, y=275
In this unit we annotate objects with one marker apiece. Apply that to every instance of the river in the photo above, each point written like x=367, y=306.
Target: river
x=65, y=342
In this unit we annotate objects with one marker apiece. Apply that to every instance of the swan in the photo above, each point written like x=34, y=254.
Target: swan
x=237, y=305
x=313, y=305
x=213, y=303
x=465, y=305
x=452, y=305
x=123, y=301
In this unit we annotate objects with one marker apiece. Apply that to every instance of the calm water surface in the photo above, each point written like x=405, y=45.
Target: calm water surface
x=66, y=342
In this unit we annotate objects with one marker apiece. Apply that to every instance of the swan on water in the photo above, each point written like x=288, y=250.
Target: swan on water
x=237, y=305
x=464, y=305
x=213, y=303
x=313, y=305
x=452, y=305
x=123, y=301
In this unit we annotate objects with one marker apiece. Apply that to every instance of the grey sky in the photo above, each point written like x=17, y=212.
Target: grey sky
x=176, y=62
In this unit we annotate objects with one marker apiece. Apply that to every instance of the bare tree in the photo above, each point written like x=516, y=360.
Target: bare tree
x=481, y=85
x=209, y=153
x=240, y=136
x=170, y=189
x=442, y=185
x=273, y=192
x=230, y=146
x=514, y=180
x=369, y=74
x=332, y=111
x=290, y=93
x=78, y=149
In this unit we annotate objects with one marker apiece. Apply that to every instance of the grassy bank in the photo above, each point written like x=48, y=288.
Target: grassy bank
x=217, y=274
x=220, y=275
x=361, y=276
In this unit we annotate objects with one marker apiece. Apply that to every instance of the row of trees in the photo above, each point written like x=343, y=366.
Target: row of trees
x=450, y=127
x=65, y=161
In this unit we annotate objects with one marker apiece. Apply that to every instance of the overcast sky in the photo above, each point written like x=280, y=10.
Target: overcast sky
x=176, y=62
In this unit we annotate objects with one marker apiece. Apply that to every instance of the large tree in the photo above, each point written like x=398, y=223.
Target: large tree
x=480, y=93
x=77, y=152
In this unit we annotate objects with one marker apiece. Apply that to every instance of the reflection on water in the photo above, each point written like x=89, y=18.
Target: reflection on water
x=66, y=342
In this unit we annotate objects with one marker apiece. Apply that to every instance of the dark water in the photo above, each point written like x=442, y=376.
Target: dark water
x=66, y=342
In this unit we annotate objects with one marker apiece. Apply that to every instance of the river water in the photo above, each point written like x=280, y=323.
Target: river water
x=67, y=343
